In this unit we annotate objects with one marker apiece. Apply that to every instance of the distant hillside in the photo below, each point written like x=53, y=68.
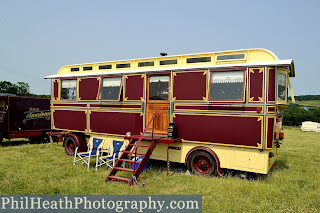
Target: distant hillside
x=306, y=97
x=306, y=108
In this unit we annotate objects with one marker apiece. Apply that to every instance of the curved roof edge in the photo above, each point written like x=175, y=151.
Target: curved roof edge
x=288, y=62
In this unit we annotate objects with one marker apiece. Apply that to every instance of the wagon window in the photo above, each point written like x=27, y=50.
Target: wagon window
x=159, y=88
x=282, y=87
x=227, y=86
x=110, y=89
x=69, y=89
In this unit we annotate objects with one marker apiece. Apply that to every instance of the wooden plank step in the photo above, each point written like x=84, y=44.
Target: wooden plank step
x=129, y=161
x=123, y=169
x=119, y=178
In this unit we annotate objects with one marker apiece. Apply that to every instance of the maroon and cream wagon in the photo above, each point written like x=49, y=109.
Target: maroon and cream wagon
x=225, y=107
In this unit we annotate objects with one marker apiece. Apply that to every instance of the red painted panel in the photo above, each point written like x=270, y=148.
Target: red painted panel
x=55, y=89
x=256, y=85
x=271, y=109
x=270, y=133
x=134, y=87
x=271, y=86
x=231, y=130
x=88, y=88
x=222, y=108
x=189, y=86
x=70, y=105
x=116, y=122
x=69, y=120
x=24, y=134
x=136, y=106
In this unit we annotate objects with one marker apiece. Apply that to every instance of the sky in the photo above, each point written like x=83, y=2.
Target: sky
x=38, y=37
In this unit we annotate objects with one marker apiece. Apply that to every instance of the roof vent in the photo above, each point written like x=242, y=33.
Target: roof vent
x=163, y=54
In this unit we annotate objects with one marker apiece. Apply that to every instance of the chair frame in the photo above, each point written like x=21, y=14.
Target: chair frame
x=86, y=156
x=101, y=160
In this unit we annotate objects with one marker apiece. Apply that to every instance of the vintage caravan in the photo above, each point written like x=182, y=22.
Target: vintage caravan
x=226, y=107
x=24, y=117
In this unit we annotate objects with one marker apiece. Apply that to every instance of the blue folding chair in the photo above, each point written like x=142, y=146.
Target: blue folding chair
x=93, y=145
x=112, y=154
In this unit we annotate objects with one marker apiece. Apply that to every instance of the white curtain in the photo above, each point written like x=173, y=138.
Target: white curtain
x=227, y=77
x=111, y=82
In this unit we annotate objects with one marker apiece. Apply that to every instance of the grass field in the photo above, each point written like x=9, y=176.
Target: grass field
x=293, y=185
x=309, y=103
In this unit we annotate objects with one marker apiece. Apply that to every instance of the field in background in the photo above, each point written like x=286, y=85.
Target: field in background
x=309, y=103
x=292, y=185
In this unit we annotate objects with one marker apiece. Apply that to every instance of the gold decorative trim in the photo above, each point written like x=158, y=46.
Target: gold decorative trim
x=251, y=99
x=259, y=118
x=213, y=105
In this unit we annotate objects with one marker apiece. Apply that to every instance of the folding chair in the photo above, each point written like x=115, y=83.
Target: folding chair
x=93, y=145
x=112, y=155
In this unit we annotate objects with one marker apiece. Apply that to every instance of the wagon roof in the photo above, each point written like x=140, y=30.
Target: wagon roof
x=216, y=60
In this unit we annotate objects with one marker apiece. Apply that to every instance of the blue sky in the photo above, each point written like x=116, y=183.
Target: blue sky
x=38, y=37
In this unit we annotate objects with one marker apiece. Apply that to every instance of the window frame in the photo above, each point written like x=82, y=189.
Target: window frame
x=243, y=99
x=101, y=85
x=286, y=87
x=77, y=86
x=169, y=86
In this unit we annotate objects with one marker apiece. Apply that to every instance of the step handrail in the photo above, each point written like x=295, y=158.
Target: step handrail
x=140, y=137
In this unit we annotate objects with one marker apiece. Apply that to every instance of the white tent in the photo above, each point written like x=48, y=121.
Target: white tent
x=309, y=126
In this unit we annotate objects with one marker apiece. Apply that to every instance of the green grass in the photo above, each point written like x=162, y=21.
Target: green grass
x=309, y=103
x=293, y=185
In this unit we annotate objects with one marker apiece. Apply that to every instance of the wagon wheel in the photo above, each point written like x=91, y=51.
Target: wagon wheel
x=202, y=163
x=70, y=145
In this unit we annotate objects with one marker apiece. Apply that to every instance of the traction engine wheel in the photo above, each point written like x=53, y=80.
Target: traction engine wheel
x=70, y=145
x=202, y=163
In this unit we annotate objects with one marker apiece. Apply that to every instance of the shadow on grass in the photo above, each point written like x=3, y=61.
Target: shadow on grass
x=279, y=166
x=162, y=165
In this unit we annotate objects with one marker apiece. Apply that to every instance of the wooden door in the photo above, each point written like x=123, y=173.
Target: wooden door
x=158, y=99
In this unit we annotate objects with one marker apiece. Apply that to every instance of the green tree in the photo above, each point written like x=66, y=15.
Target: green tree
x=21, y=88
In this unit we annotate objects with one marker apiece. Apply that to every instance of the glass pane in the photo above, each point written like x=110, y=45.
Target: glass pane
x=227, y=85
x=158, y=88
x=199, y=60
x=230, y=57
x=110, y=88
x=123, y=65
x=69, y=89
x=105, y=67
x=281, y=87
x=168, y=62
x=146, y=64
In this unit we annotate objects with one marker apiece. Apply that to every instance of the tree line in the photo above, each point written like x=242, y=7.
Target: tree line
x=20, y=89
x=295, y=114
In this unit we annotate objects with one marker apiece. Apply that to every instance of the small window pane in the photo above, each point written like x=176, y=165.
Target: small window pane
x=110, y=88
x=169, y=62
x=105, y=67
x=146, y=64
x=123, y=65
x=75, y=69
x=69, y=89
x=87, y=68
x=158, y=88
x=227, y=85
x=282, y=87
x=230, y=57
x=199, y=60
